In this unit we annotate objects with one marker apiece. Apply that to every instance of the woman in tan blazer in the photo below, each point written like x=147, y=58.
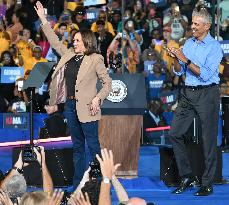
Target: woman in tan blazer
x=74, y=85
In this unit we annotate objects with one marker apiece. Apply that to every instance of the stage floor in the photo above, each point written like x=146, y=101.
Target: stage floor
x=148, y=184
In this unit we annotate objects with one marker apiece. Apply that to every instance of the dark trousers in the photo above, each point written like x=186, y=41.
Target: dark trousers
x=205, y=103
x=79, y=133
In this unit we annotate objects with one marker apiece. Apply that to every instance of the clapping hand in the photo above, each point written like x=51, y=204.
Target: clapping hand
x=19, y=162
x=178, y=53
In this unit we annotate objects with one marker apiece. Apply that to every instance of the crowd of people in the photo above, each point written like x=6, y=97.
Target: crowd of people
x=134, y=41
x=138, y=46
x=91, y=190
x=146, y=38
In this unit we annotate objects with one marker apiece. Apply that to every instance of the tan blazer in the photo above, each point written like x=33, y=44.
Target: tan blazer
x=92, y=68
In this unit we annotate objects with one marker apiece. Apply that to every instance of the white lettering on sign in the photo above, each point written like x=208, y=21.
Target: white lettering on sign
x=170, y=99
x=156, y=84
x=225, y=48
x=11, y=72
x=91, y=15
x=17, y=121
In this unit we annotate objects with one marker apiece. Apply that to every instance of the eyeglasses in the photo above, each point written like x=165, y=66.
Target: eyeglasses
x=79, y=13
x=102, y=17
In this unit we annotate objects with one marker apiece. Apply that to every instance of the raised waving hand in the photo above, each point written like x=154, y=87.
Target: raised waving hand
x=40, y=12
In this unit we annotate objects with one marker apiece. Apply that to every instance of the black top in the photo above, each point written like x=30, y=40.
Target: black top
x=71, y=72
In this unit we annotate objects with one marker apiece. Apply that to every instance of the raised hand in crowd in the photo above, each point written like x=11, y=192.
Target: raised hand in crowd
x=40, y=12
x=108, y=169
x=40, y=154
x=47, y=180
x=80, y=199
x=82, y=183
x=107, y=165
x=19, y=163
x=4, y=198
x=17, y=169
x=56, y=197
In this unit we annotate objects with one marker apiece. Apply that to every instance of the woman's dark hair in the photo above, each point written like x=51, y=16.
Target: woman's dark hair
x=62, y=24
x=13, y=46
x=89, y=41
x=131, y=19
x=12, y=63
x=73, y=30
x=40, y=36
x=22, y=16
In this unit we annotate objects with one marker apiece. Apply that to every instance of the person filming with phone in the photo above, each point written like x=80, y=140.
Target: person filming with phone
x=176, y=21
x=20, y=100
x=199, y=60
x=14, y=183
x=73, y=90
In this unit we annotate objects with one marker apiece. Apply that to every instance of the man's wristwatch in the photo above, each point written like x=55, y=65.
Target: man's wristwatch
x=106, y=180
x=20, y=171
x=188, y=63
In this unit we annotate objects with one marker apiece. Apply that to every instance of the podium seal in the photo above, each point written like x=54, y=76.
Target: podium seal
x=119, y=91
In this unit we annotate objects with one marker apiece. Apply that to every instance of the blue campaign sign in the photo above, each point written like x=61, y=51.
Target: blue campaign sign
x=94, y=2
x=225, y=47
x=159, y=2
x=16, y=121
x=92, y=14
x=169, y=97
x=10, y=74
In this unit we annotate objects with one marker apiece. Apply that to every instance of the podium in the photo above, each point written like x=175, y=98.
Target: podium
x=36, y=78
x=120, y=128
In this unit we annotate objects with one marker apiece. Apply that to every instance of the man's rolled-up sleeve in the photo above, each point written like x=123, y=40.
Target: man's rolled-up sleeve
x=182, y=69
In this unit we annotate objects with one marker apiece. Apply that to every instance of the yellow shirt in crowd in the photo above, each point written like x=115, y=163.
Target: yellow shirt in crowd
x=30, y=62
x=71, y=5
x=24, y=48
x=168, y=59
x=4, y=41
x=108, y=27
x=69, y=28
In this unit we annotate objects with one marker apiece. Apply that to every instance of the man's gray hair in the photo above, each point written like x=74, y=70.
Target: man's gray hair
x=15, y=186
x=203, y=13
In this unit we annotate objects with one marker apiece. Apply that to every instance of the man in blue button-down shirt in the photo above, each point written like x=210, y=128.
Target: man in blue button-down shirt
x=199, y=59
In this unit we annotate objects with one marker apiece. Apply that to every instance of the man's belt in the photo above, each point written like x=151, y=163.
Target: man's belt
x=199, y=87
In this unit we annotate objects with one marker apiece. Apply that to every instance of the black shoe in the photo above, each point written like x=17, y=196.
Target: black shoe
x=204, y=191
x=185, y=183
